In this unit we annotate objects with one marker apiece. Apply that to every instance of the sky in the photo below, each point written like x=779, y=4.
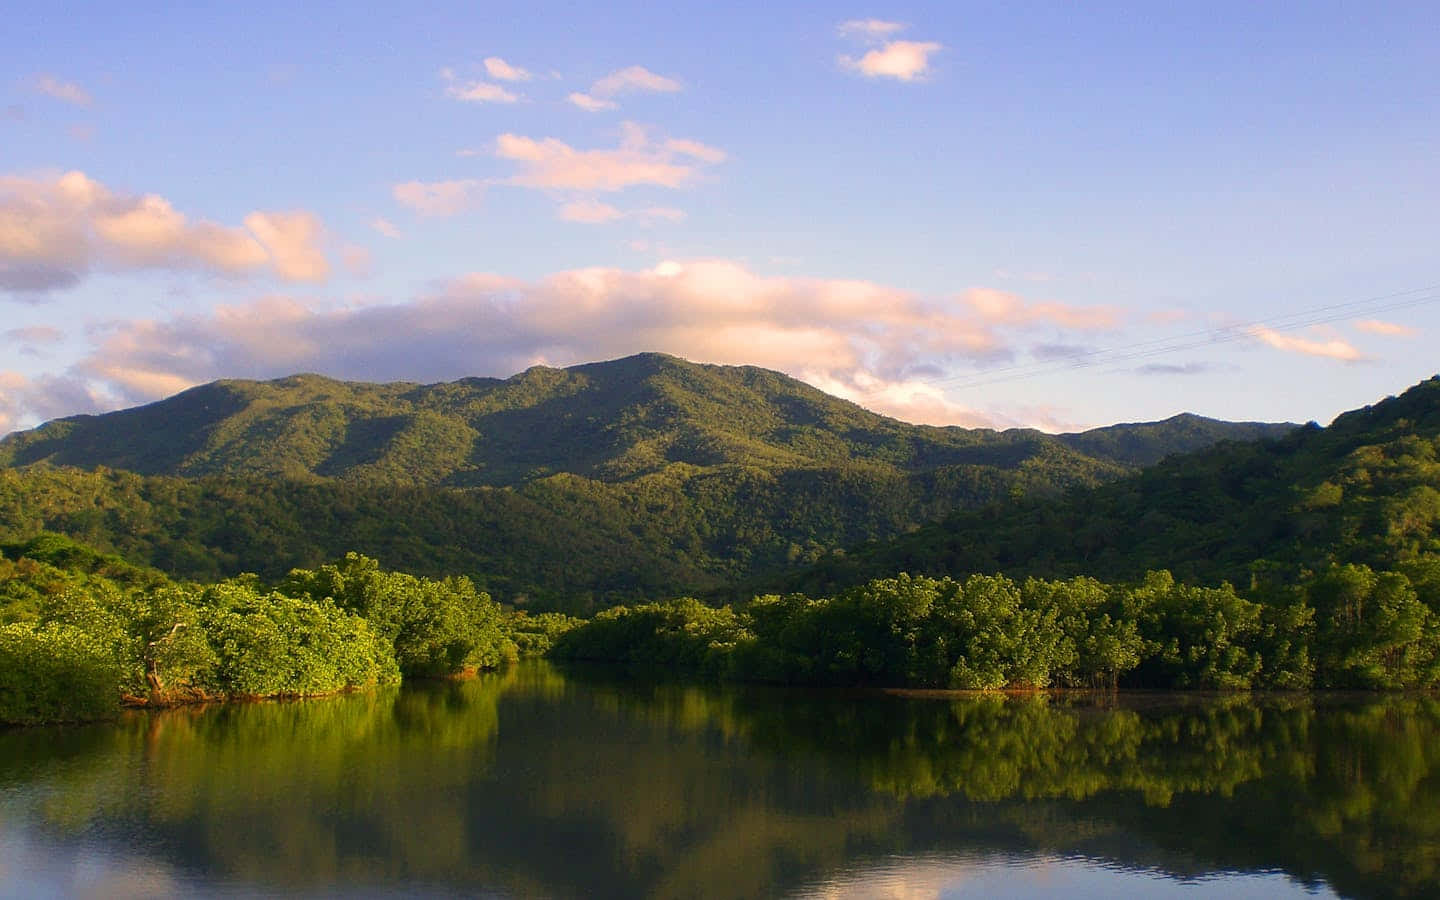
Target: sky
x=1054, y=215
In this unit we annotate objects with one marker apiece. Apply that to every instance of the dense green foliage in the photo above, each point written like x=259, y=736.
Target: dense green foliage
x=1365, y=490
x=571, y=489
x=55, y=673
x=436, y=627
x=81, y=640
x=1349, y=627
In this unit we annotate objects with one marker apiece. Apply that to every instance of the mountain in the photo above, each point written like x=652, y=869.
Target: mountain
x=607, y=421
x=640, y=477
x=1365, y=490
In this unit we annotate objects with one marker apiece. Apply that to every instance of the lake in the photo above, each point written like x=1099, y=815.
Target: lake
x=538, y=782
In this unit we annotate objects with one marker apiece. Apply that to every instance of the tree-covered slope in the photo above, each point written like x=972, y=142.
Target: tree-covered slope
x=1364, y=490
x=605, y=421
x=643, y=477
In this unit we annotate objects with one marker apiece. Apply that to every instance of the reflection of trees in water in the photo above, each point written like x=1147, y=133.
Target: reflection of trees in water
x=645, y=788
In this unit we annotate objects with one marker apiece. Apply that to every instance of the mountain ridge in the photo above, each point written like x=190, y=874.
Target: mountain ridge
x=608, y=420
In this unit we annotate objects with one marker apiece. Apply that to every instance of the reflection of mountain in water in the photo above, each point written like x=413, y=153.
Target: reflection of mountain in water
x=540, y=784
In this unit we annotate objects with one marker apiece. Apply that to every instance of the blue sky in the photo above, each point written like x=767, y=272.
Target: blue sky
x=1059, y=215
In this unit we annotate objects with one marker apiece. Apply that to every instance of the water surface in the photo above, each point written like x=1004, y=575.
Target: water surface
x=535, y=783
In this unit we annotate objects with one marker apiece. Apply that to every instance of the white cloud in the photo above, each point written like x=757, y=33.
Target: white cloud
x=1334, y=348
x=385, y=227
x=868, y=28
x=440, y=198
x=639, y=160
x=901, y=60
x=55, y=229
x=499, y=68
x=66, y=91
x=1387, y=329
x=855, y=338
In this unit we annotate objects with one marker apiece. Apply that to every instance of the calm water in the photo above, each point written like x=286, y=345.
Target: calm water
x=536, y=784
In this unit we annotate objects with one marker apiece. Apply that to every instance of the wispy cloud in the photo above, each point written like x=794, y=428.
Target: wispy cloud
x=868, y=28
x=632, y=79
x=1387, y=329
x=476, y=91
x=639, y=160
x=55, y=229
x=65, y=91
x=591, y=104
x=439, y=198
x=1190, y=368
x=499, y=68
x=858, y=339
x=997, y=307
x=386, y=227
x=588, y=211
x=1334, y=348
x=34, y=334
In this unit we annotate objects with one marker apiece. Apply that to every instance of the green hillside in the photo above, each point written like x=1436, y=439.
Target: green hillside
x=1365, y=490
x=608, y=421
x=641, y=477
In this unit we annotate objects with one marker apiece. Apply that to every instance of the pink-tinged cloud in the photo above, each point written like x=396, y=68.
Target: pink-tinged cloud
x=386, y=227
x=1331, y=349
x=440, y=198
x=591, y=104
x=629, y=80
x=1386, y=329
x=292, y=239
x=901, y=60
x=871, y=342
x=639, y=160
x=634, y=79
x=496, y=67
x=64, y=91
x=1005, y=308
x=34, y=334
x=54, y=230
x=481, y=92
x=589, y=211
x=476, y=91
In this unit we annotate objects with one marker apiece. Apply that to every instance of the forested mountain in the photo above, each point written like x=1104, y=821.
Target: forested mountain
x=642, y=477
x=607, y=421
x=1365, y=490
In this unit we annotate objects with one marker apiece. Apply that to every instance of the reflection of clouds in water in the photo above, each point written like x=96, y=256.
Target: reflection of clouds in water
x=31, y=868
x=946, y=878
x=902, y=878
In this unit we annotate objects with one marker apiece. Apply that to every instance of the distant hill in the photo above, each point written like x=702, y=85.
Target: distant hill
x=643, y=476
x=1364, y=490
